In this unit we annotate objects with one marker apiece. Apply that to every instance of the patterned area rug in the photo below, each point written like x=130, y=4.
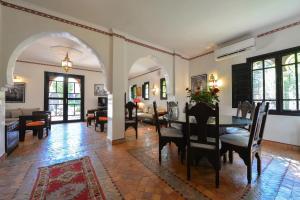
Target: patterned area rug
x=70, y=180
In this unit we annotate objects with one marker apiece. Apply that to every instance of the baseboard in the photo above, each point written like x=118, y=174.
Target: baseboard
x=118, y=141
x=3, y=157
x=289, y=146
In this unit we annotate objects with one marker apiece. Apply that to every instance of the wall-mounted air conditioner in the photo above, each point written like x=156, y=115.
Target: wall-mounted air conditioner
x=234, y=49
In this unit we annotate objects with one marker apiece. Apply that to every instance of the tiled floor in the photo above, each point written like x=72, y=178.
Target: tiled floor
x=133, y=167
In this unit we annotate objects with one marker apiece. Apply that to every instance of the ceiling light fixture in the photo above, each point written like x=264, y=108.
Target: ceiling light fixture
x=66, y=63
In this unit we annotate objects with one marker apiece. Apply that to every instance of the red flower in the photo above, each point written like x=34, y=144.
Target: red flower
x=216, y=90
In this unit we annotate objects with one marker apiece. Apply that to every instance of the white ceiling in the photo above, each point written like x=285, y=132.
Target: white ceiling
x=189, y=27
x=52, y=49
x=143, y=65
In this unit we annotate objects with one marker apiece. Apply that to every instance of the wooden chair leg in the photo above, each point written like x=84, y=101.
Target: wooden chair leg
x=249, y=172
x=102, y=127
x=136, y=132
x=225, y=157
x=40, y=133
x=159, y=156
x=34, y=132
x=257, y=155
x=188, y=167
x=231, y=156
x=217, y=178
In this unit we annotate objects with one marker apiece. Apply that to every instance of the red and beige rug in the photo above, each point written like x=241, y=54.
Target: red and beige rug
x=72, y=180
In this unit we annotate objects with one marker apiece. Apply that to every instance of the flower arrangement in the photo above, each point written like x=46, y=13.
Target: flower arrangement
x=209, y=96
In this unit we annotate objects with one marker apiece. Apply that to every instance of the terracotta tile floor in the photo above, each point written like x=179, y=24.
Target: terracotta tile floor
x=133, y=167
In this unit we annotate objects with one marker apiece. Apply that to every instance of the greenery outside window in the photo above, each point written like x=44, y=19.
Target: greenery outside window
x=146, y=90
x=133, y=92
x=276, y=79
x=264, y=81
x=163, y=89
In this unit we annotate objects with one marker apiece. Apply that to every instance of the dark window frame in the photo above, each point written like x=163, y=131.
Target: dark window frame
x=163, y=83
x=133, y=94
x=279, y=77
x=146, y=91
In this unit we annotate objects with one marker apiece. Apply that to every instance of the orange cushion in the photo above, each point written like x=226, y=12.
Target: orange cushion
x=36, y=123
x=102, y=118
x=90, y=115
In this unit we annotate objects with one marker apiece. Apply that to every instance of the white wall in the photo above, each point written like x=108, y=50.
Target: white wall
x=283, y=129
x=154, y=79
x=33, y=76
x=2, y=97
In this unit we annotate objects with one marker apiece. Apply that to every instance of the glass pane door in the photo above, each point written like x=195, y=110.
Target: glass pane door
x=74, y=99
x=56, y=98
x=64, y=97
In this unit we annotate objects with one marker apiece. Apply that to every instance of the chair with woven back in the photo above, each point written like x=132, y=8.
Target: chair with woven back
x=207, y=143
x=248, y=146
x=167, y=135
x=131, y=120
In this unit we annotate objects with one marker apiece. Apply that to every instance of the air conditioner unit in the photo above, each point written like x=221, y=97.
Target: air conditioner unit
x=234, y=49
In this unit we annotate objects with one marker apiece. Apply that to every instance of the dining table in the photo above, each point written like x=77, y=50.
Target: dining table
x=224, y=120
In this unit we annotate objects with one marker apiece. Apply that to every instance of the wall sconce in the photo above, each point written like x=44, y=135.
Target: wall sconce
x=213, y=82
x=17, y=79
x=154, y=90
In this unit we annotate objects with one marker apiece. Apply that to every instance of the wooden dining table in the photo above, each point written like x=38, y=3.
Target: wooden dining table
x=224, y=120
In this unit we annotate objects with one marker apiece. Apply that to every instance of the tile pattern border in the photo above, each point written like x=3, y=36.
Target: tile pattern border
x=183, y=187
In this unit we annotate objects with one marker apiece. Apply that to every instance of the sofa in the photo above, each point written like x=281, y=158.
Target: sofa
x=14, y=114
x=146, y=112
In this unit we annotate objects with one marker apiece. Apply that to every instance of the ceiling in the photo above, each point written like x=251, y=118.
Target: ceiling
x=189, y=27
x=52, y=49
x=143, y=65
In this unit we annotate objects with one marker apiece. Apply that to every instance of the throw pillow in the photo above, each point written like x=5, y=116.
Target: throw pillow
x=16, y=113
x=29, y=111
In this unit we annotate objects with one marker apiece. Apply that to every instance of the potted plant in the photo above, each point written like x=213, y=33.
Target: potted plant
x=209, y=96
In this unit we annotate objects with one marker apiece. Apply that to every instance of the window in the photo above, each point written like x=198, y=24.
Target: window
x=275, y=79
x=163, y=89
x=146, y=90
x=264, y=81
x=133, y=92
x=290, y=83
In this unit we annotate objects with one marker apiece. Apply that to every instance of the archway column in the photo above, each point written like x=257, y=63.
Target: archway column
x=116, y=108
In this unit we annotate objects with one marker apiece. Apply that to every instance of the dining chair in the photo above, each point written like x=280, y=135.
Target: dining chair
x=173, y=113
x=207, y=143
x=130, y=119
x=243, y=109
x=168, y=135
x=248, y=146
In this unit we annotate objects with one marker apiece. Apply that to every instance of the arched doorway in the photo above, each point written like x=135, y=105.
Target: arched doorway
x=147, y=73
x=47, y=50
